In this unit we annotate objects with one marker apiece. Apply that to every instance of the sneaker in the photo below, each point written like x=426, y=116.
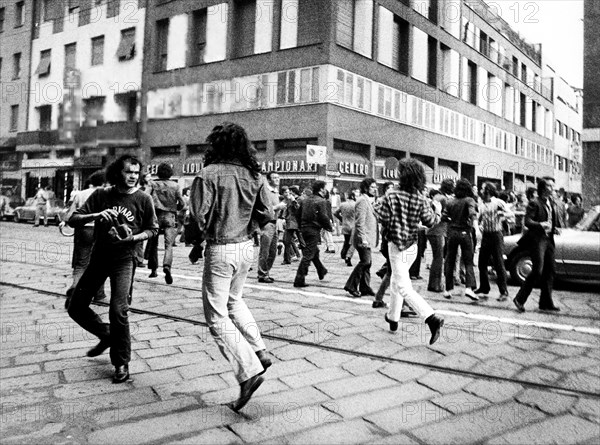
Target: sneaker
x=380, y=304
x=168, y=277
x=447, y=294
x=470, y=294
x=247, y=388
x=435, y=324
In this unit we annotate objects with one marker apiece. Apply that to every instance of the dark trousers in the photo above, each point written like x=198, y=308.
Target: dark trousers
x=436, y=270
x=310, y=253
x=168, y=225
x=542, y=257
x=463, y=239
x=346, y=245
x=360, y=278
x=268, y=249
x=196, y=252
x=120, y=270
x=492, y=244
x=289, y=243
x=415, y=268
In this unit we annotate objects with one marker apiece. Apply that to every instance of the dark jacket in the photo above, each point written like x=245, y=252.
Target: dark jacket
x=228, y=202
x=535, y=214
x=166, y=195
x=313, y=214
x=290, y=214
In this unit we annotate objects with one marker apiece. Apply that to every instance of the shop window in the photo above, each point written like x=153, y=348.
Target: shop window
x=126, y=50
x=43, y=68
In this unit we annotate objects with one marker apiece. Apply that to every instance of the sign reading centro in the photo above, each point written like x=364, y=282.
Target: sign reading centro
x=354, y=168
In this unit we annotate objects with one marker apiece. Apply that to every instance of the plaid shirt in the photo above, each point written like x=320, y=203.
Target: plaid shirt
x=399, y=213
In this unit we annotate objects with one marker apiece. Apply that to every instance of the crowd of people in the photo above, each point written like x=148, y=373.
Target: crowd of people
x=237, y=219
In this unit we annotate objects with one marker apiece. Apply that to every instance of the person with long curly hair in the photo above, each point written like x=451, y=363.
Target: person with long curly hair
x=399, y=214
x=231, y=179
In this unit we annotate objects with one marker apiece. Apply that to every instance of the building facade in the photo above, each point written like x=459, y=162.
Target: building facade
x=438, y=81
x=591, y=104
x=15, y=28
x=84, y=90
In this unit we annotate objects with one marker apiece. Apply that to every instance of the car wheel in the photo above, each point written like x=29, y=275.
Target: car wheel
x=520, y=267
x=17, y=217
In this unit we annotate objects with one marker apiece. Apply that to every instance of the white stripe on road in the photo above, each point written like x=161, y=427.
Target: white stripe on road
x=472, y=316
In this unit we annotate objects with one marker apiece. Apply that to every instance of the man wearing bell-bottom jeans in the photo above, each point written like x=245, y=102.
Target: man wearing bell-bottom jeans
x=231, y=179
x=399, y=213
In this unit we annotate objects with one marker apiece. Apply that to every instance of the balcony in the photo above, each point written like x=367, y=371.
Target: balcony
x=39, y=138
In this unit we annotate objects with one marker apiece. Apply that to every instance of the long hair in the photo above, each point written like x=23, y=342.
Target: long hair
x=463, y=188
x=365, y=184
x=229, y=142
x=412, y=175
x=113, y=171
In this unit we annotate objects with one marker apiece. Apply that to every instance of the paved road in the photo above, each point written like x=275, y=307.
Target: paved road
x=340, y=376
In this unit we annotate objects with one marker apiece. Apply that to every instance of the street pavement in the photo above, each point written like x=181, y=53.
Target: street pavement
x=339, y=375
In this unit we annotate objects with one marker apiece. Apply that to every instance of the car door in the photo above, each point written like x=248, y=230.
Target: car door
x=28, y=211
x=580, y=253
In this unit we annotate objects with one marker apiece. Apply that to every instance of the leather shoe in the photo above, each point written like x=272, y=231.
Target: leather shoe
x=519, y=305
x=550, y=308
x=431, y=289
x=348, y=262
x=380, y=273
x=265, y=361
x=300, y=285
x=435, y=324
x=368, y=293
x=153, y=274
x=268, y=280
x=121, y=374
x=247, y=388
x=168, y=277
x=353, y=293
x=322, y=276
x=393, y=324
x=378, y=304
x=97, y=350
x=481, y=292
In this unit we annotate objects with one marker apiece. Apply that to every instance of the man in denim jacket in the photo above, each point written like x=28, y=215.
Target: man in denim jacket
x=229, y=199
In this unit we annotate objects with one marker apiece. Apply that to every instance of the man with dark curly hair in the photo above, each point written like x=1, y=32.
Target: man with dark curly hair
x=231, y=179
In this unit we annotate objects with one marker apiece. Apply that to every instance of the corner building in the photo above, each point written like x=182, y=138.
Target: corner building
x=445, y=82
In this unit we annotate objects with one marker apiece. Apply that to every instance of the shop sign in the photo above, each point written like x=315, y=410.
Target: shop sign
x=191, y=168
x=354, y=168
x=387, y=173
x=291, y=166
x=153, y=168
x=439, y=177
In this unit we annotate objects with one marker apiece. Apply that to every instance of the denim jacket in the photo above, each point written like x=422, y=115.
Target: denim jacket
x=227, y=202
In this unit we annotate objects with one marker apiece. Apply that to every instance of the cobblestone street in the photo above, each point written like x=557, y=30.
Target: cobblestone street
x=339, y=375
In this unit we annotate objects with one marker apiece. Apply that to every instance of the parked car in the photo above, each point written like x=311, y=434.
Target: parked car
x=8, y=206
x=577, y=252
x=27, y=212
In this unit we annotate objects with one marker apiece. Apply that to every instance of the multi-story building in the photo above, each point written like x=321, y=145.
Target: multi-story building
x=568, y=125
x=446, y=82
x=15, y=29
x=591, y=104
x=84, y=90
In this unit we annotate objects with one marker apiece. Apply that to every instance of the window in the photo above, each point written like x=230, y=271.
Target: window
x=93, y=111
x=354, y=27
x=14, y=117
x=298, y=86
x=73, y=5
x=43, y=68
x=16, y=65
x=244, y=23
x=71, y=55
x=97, y=50
x=126, y=49
x=420, y=57
x=301, y=23
x=162, y=37
x=524, y=73
x=112, y=8
x=432, y=61
x=45, y=115
x=472, y=86
x=19, y=13
x=1, y=19
x=393, y=49
x=197, y=45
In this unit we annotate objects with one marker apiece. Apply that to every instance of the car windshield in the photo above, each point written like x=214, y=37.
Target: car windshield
x=590, y=221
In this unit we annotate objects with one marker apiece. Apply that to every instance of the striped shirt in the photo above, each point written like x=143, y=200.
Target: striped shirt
x=400, y=212
x=490, y=216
